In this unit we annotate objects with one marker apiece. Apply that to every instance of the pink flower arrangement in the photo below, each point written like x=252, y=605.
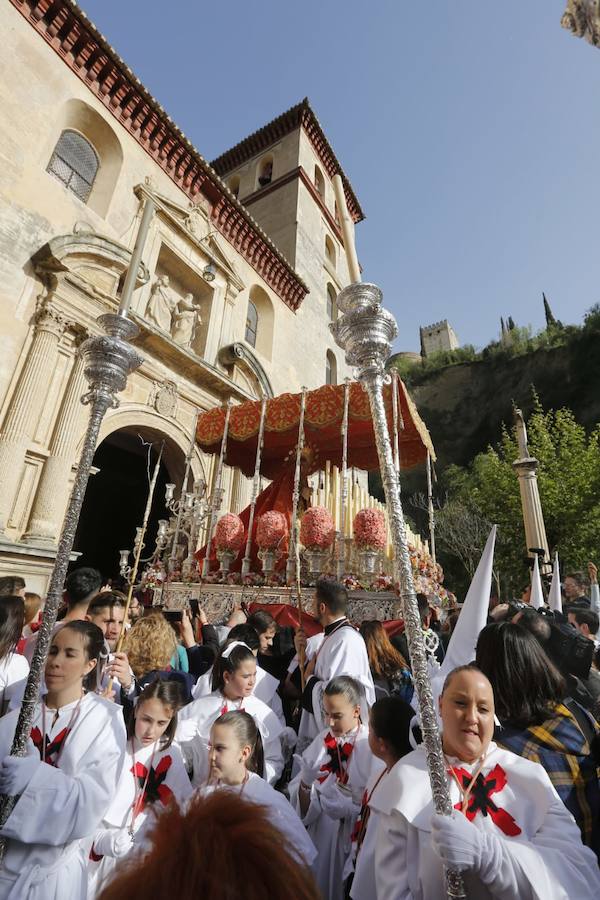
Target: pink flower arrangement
x=369, y=529
x=271, y=529
x=229, y=533
x=317, y=530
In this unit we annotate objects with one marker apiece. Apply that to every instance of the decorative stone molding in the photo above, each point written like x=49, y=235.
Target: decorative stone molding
x=236, y=353
x=163, y=398
x=89, y=56
x=582, y=18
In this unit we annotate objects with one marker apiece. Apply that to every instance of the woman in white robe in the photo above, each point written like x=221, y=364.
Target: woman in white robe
x=14, y=668
x=153, y=776
x=328, y=791
x=235, y=755
x=66, y=782
x=235, y=677
x=510, y=836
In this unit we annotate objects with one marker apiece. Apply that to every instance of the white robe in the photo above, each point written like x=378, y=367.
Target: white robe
x=363, y=861
x=342, y=652
x=331, y=832
x=193, y=733
x=14, y=670
x=52, y=825
x=545, y=861
x=170, y=773
x=265, y=689
x=281, y=813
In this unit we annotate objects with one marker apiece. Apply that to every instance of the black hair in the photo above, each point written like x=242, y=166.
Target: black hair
x=424, y=609
x=261, y=621
x=248, y=734
x=10, y=584
x=107, y=599
x=535, y=624
x=231, y=663
x=586, y=617
x=169, y=693
x=12, y=617
x=82, y=584
x=389, y=719
x=349, y=687
x=578, y=578
x=526, y=683
x=94, y=647
x=245, y=633
x=333, y=595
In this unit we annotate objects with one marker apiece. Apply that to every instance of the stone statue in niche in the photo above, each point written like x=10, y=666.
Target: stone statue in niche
x=161, y=304
x=185, y=321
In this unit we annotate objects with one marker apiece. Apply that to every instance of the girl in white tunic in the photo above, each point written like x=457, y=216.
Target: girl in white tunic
x=14, y=668
x=389, y=730
x=333, y=773
x=153, y=777
x=66, y=783
x=510, y=834
x=234, y=678
x=235, y=756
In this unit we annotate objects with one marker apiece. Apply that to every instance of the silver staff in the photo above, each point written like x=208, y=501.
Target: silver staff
x=217, y=494
x=109, y=359
x=430, y=508
x=186, y=474
x=293, y=548
x=246, y=562
x=365, y=331
x=341, y=558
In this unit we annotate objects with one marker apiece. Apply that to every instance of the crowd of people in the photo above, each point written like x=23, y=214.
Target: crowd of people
x=247, y=759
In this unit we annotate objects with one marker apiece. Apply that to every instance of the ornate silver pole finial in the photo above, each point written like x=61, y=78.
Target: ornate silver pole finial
x=255, y=485
x=365, y=331
x=217, y=495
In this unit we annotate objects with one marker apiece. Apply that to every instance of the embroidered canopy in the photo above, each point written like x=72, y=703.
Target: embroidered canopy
x=322, y=429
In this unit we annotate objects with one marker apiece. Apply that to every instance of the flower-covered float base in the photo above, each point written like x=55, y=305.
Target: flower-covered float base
x=218, y=600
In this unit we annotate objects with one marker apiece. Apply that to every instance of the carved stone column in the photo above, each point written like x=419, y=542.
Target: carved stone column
x=237, y=492
x=53, y=489
x=26, y=405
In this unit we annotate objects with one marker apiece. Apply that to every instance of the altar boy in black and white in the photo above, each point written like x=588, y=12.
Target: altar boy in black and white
x=342, y=652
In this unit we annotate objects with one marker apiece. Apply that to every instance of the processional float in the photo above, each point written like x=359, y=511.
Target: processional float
x=364, y=330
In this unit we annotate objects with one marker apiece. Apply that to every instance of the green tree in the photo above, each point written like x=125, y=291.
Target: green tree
x=569, y=485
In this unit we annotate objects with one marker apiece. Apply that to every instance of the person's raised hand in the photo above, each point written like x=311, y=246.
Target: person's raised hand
x=457, y=842
x=186, y=630
x=593, y=572
x=119, y=668
x=300, y=642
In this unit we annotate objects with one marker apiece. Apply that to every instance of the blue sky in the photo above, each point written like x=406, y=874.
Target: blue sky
x=470, y=131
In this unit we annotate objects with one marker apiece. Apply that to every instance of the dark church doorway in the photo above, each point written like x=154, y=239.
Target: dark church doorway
x=115, y=501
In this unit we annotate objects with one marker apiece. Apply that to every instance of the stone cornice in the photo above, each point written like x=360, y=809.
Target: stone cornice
x=75, y=39
x=298, y=116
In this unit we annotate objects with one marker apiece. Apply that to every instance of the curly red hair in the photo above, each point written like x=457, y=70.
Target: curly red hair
x=222, y=847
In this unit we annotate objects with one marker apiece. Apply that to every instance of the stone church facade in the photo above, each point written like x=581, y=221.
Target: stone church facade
x=241, y=267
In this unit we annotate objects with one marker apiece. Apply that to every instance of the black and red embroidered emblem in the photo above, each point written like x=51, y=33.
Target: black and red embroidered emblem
x=53, y=748
x=480, y=798
x=151, y=783
x=338, y=759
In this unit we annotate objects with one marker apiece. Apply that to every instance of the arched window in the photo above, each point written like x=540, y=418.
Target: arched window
x=234, y=185
x=330, y=368
x=251, y=324
x=329, y=250
x=75, y=163
x=265, y=171
x=319, y=182
x=331, y=304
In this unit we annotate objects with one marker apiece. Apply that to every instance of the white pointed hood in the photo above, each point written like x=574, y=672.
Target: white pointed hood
x=554, y=597
x=537, y=595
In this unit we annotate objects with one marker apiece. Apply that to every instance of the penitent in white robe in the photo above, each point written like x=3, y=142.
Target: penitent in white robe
x=334, y=807
x=342, y=652
x=281, y=814
x=538, y=852
x=163, y=773
x=265, y=689
x=52, y=825
x=193, y=733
